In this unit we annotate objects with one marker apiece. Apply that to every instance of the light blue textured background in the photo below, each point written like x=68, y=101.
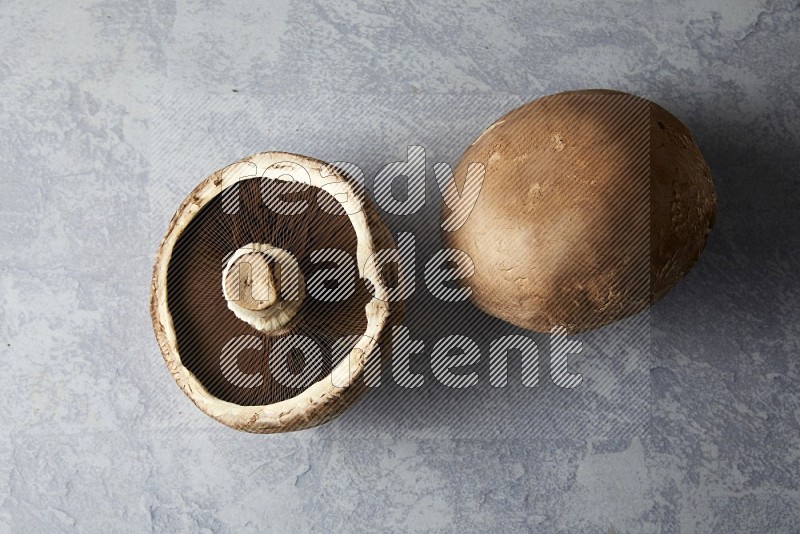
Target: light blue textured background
x=96, y=437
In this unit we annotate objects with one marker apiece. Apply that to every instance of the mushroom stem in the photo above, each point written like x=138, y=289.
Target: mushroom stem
x=253, y=282
x=257, y=294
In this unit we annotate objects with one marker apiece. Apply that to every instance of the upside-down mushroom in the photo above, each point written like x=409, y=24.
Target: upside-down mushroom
x=241, y=331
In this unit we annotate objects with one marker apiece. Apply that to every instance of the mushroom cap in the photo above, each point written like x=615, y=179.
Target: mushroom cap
x=594, y=204
x=193, y=321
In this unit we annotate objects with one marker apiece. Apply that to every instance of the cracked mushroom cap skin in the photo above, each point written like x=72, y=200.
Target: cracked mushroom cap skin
x=594, y=204
x=202, y=319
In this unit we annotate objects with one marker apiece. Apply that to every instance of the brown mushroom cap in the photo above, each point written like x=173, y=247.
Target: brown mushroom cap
x=594, y=204
x=221, y=237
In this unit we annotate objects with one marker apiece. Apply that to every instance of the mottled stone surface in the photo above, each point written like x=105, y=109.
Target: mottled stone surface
x=94, y=434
